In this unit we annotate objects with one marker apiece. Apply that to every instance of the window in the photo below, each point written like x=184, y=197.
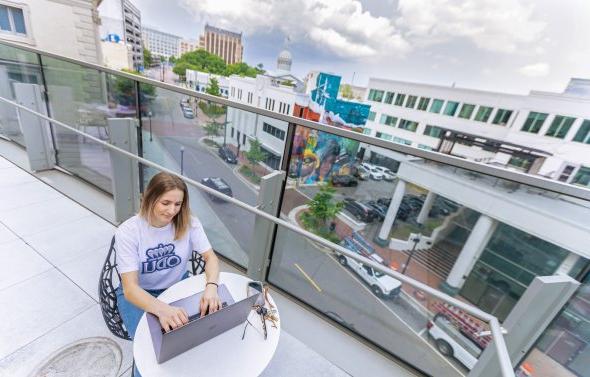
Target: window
x=583, y=134
x=399, y=100
x=560, y=126
x=399, y=140
x=367, y=131
x=372, y=116
x=12, y=20
x=389, y=97
x=502, y=117
x=433, y=131
x=534, y=122
x=483, y=113
x=423, y=104
x=376, y=95
x=383, y=135
x=409, y=125
x=411, y=102
x=388, y=120
x=437, y=105
x=582, y=177
x=451, y=108
x=279, y=134
x=466, y=111
x=425, y=147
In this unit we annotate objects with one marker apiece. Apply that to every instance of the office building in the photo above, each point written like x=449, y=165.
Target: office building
x=161, y=44
x=123, y=19
x=223, y=43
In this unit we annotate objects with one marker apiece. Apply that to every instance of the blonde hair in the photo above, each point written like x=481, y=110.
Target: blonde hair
x=160, y=184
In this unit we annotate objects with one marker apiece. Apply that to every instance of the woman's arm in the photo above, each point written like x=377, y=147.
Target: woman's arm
x=170, y=317
x=210, y=298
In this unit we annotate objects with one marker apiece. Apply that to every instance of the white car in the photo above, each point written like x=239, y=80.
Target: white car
x=374, y=173
x=388, y=175
x=452, y=343
x=383, y=286
x=362, y=172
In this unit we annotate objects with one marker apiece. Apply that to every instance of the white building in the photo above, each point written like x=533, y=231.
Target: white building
x=34, y=23
x=160, y=43
x=543, y=133
x=186, y=45
x=117, y=55
x=122, y=18
x=200, y=81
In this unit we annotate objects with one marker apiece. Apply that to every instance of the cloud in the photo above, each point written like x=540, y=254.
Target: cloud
x=535, y=70
x=340, y=26
x=494, y=25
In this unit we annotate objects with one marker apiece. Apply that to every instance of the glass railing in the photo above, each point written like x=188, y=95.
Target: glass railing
x=478, y=233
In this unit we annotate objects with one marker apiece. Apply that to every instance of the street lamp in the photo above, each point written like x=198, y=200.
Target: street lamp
x=181, y=160
x=150, y=118
x=415, y=240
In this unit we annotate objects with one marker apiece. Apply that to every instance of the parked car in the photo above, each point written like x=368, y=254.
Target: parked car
x=346, y=180
x=188, y=112
x=218, y=184
x=414, y=202
x=383, y=286
x=376, y=174
x=388, y=175
x=453, y=343
x=358, y=243
x=362, y=173
x=359, y=211
x=403, y=212
x=227, y=154
x=379, y=209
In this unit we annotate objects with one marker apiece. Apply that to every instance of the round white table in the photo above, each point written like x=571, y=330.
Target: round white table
x=224, y=355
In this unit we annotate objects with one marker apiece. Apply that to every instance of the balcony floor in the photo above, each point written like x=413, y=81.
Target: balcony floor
x=55, y=249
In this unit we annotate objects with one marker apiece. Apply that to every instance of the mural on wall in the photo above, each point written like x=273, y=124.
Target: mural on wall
x=319, y=155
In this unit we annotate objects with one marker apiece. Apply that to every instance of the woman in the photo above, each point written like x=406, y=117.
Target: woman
x=153, y=248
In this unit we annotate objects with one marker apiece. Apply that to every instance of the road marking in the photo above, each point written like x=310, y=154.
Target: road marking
x=422, y=331
x=317, y=287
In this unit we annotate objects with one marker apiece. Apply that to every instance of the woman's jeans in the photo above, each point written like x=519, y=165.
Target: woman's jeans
x=131, y=314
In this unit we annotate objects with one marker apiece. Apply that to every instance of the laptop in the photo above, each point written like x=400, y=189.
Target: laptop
x=198, y=330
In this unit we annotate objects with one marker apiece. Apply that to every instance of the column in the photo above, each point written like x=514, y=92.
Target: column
x=426, y=207
x=383, y=238
x=474, y=246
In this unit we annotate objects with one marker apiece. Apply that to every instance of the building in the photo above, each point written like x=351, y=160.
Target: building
x=161, y=44
x=123, y=19
x=33, y=23
x=117, y=55
x=223, y=43
x=200, y=81
x=541, y=133
x=186, y=45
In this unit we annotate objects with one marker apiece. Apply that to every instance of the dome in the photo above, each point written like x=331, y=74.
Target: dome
x=284, y=61
x=285, y=55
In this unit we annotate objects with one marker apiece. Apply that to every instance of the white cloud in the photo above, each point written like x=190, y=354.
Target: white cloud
x=494, y=25
x=535, y=70
x=341, y=26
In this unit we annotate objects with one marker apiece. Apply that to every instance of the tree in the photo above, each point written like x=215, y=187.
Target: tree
x=321, y=213
x=212, y=128
x=213, y=88
x=346, y=92
x=172, y=59
x=180, y=69
x=123, y=91
x=203, y=61
x=147, y=57
x=255, y=153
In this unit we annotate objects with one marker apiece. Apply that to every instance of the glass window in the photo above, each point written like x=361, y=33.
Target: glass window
x=502, y=117
x=411, y=102
x=534, y=122
x=389, y=97
x=423, y=103
x=583, y=134
x=433, y=131
x=424, y=146
x=399, y=100
x=388, y=120
x=466, y=111
x=483, y=113
x=582, y=177
x=400, y=140
x=560, y=126
x=4, y=18
x=409, y=125
x=367, y=131
x=372, y=116
x=376, y=95
x=451, y=108
x=383, y=135
x=437, y=105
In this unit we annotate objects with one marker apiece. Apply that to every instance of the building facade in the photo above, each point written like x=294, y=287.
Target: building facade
x=186, y=45
x=540, y=133
x=223, y=43
x=161, y=44
x=123, y=19
x=33, y=23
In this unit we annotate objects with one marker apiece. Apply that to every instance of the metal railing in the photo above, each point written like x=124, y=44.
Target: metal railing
x=492, y=321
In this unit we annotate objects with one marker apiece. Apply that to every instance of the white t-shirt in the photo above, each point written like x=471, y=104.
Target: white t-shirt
x=159, y=259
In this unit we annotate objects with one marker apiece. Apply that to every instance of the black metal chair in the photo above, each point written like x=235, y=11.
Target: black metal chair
x=109, y=282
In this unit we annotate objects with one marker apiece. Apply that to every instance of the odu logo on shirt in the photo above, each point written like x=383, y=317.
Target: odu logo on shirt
x=160, y=258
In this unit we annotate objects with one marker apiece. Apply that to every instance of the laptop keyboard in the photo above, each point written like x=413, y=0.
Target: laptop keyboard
x=198, y=315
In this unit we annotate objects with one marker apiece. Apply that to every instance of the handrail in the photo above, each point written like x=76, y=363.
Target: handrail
x=492, y=321
x=526, y=179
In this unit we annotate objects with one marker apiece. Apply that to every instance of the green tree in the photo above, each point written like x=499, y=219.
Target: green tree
x=203, y=61
x=212, y=128
x=255, y=153
x=242, y=69
x=322, y=211
x=180, y=69
x=346, y=91
x=172, y=59
x=213, y=88
x=147, y=57
x=123, y=91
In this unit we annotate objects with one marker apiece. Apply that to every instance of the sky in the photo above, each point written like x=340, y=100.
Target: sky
x=510, y=46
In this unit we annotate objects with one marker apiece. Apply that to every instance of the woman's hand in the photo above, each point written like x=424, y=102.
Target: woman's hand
x=171, y=317
x=210, y=300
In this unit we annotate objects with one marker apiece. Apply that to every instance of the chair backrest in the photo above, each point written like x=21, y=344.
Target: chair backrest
x=108, y=296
